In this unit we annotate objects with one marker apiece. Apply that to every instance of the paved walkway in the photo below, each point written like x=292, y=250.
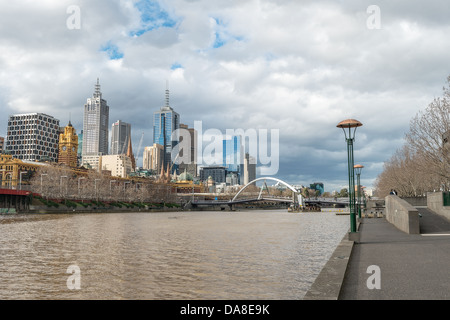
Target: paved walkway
x=411, y=267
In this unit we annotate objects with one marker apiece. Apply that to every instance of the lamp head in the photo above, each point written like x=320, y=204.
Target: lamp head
x=358, y=168
x=349, y=124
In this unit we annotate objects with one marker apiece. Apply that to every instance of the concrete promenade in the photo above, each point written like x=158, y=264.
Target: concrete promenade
x=407, y=266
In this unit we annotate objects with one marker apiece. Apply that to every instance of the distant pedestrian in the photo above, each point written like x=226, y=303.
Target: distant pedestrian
x=393, y=192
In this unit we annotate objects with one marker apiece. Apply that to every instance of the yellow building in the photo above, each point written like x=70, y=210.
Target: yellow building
x=68, y=146
x=15, y=172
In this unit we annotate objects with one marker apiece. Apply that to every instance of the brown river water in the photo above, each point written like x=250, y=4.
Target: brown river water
x=194, y=255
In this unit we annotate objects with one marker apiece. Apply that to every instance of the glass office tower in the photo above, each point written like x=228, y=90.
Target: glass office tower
x=232, y=151
x=166, y=121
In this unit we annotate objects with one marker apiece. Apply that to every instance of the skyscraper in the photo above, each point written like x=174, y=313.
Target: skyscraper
x=95, y=128
x=232, y=151
x=2, y=141
x=166, y=121
x=120, y=135
x=249, y=168
x=191, y=165
x=33, y=137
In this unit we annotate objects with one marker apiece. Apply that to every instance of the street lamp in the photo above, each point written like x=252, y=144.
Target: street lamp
x=20, y=178
x=124, y=185
x=60, y=185
x=79, y=185
x=42, y=174
x=358, y=168
x=349, y=127
x=110, y=192
x=95, y=184
x=1, y=177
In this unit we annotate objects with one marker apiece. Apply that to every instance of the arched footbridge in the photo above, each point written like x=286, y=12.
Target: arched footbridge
x=296, y=198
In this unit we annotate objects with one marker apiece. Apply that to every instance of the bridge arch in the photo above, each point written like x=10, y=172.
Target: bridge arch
x=265, y=178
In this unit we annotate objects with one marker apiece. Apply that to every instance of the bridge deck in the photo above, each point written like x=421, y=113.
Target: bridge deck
x=230, y=202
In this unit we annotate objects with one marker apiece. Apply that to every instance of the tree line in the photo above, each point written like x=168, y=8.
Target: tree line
x=422, y=164
x=59, y=182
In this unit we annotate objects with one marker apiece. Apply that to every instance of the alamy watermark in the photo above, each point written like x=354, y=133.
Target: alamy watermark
x=374, y=19
x=73, y=22
x=374, y=281
x=74, y=281
x=262, y=145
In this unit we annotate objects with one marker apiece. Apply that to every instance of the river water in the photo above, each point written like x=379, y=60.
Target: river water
x=168, y=255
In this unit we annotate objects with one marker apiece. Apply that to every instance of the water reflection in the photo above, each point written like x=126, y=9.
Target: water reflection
x=186, y=255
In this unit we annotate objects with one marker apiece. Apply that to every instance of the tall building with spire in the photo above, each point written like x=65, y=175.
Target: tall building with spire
x=166, y=121
x=95, y=129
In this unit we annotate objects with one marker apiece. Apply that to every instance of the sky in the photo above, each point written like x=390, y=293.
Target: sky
x=297, y=68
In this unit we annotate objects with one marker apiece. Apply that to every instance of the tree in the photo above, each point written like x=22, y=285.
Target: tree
x=343, y=193
x=426, y=138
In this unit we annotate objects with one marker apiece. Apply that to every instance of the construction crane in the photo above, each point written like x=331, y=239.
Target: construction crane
x=136, y=156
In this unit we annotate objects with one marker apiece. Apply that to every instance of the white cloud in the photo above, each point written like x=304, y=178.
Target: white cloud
x=299, y=66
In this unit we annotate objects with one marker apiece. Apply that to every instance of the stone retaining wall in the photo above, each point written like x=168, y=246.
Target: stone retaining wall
x=435, y=203
x=402, y=215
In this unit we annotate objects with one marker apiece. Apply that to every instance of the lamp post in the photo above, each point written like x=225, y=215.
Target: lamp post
x=124, y=190
x=96, y=193
x=79, y=179
x=20, y=178
x=110, y=188
x=60, y=185
x=42, y=174
x=358, y=168
x=349, y=127
x=1, y=177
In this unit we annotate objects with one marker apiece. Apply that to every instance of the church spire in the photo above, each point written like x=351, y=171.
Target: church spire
x=130, y=154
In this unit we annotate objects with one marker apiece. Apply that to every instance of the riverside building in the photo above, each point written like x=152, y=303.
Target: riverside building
x=33, y=137
x=68, y=146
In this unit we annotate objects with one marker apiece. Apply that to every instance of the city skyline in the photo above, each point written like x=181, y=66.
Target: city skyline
x=297, y=67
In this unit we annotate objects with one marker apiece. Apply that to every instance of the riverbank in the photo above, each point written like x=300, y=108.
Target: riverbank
x=389, y=264
x=328, y=283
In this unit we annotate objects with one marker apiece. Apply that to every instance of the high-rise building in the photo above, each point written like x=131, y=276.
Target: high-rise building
x=68, y=147
x=217, y=173
x=80, y=147
x=232, y=152
x=249, y=169
x=153, y=158
x=95, y=128
x=319, y=187
x=33, y=137
x=191, y=165
x=166, y=121
x=2, y=142
x=120, y=135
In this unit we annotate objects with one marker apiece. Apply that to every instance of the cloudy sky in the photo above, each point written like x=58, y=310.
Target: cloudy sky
x=299, y=67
